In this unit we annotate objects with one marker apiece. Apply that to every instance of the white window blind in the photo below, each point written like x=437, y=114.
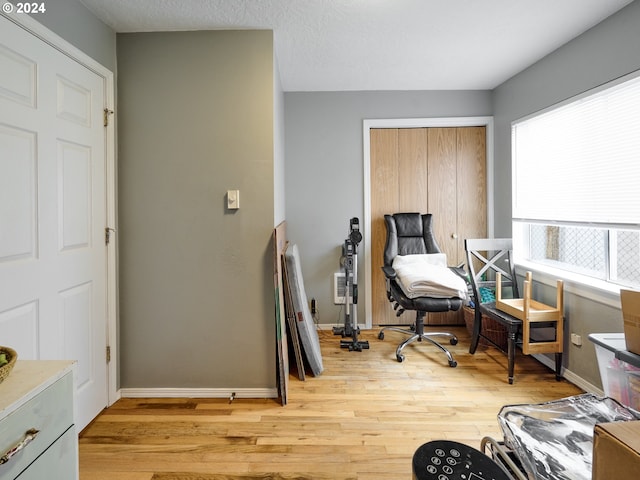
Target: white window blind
x=580, y=162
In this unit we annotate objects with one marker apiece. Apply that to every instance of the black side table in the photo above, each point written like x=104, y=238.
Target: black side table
x=446, y=460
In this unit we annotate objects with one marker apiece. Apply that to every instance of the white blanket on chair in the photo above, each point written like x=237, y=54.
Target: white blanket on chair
x=428, y=276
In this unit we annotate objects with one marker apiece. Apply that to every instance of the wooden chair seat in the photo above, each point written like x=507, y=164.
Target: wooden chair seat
x=530, y=311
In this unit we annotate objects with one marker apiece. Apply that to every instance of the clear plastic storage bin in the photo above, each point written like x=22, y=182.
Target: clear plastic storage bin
x=619, y=368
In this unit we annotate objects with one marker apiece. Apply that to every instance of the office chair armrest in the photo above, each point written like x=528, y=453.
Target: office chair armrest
x=389, y=272
x=461, y=272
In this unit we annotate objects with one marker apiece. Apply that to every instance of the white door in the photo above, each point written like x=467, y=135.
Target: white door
x=53, y=266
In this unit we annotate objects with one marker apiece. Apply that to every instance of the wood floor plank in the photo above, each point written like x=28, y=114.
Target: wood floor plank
x=363, y=418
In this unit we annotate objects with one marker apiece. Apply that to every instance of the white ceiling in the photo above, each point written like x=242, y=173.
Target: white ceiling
x=336, y=45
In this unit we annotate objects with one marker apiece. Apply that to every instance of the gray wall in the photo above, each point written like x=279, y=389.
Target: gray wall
x=325, y=174
x=607, y=51
x=196, y=118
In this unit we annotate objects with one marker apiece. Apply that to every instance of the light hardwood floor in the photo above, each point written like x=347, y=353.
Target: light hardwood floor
x=363, y=418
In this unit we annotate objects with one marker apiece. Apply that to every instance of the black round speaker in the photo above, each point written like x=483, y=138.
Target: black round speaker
x=446, y=460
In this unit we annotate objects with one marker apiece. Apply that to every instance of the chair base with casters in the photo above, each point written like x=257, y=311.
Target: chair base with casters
x=412, y=234
x=417, y=334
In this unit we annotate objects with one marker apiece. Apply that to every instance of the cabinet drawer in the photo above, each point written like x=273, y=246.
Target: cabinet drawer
x=57, y=462
x=50, y=412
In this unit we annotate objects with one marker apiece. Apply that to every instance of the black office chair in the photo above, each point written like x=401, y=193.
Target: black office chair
x=485, y=258
x=408, y=234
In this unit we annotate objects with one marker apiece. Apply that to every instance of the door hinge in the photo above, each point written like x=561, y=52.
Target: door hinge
x=108, y=353
x=106, y=112
x=107, y=234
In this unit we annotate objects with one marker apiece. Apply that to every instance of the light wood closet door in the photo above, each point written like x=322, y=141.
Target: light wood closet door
x=428, y=170
x=472, y=186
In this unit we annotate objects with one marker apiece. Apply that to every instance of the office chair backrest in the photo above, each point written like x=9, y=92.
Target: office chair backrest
x=408, y=234
x=486, y=257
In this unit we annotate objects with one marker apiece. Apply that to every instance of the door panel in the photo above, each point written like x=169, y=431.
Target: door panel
x=75, y=304
x=442, y=188
x=17, y=193
x=412, y=169
x=472, y=186
x=74, y=195
x=53, y=212
x=20, y=86
x=384, y=182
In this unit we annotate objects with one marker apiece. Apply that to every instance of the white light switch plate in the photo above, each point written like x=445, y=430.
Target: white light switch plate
x=233, y=199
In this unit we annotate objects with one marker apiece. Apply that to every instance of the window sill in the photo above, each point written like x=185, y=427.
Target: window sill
x=580, y=285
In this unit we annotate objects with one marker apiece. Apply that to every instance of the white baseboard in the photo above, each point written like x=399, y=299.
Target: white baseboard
x=198, y=392
x=570, y=376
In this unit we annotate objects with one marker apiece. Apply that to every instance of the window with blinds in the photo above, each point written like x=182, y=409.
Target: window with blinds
x=576, y=184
